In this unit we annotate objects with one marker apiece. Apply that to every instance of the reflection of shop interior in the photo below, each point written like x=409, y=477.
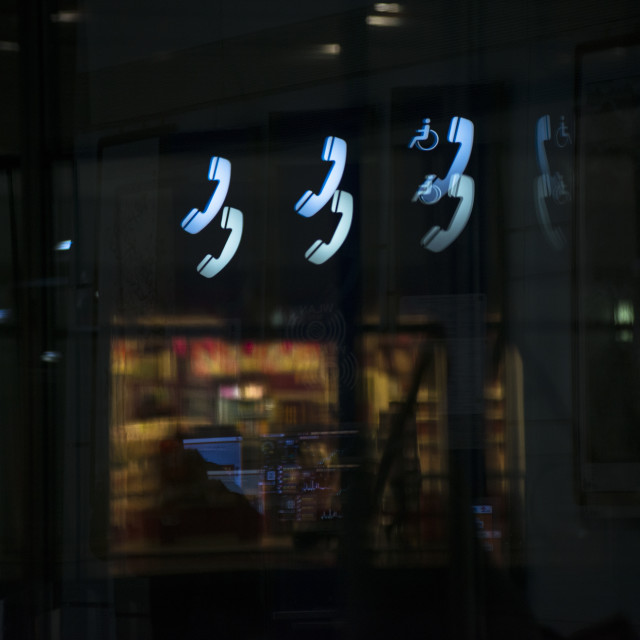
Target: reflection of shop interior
x=198, y=437
x=218, y=442
x=504, y=454
x=412, y=509
x=413, y=512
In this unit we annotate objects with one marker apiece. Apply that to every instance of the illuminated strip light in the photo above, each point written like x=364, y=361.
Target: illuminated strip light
x=623, y=313
x=384, y=21
x=387, y=7
x=63, y=245
x=329, y=49
x=9, y=47
x=624, y=319
x=66, y=17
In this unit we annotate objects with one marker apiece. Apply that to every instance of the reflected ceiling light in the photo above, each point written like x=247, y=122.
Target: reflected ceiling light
x=623, y=313
x=383, y=21
x=277, y=318
x=66, y=17
x=387, y=7
x=253, y=392
x=331, y=49
x=63, y=245
x=5, y=314
x=624, y=318
x=12, y=47
x=50, y=356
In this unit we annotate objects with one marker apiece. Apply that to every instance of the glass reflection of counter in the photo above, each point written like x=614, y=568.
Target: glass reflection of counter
x=218, y=442
x=210, y=485
x=164, y=489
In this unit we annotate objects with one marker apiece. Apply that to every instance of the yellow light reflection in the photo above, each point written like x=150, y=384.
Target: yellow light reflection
x=387, y=7
x=383, y=21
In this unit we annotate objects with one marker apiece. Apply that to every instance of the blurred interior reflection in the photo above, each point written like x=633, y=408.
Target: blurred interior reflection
x=222, y=444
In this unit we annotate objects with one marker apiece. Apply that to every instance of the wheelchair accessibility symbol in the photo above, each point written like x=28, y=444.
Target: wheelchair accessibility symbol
x=547, y=184
x=563, y=138
x=423, y=136
x=456, y=184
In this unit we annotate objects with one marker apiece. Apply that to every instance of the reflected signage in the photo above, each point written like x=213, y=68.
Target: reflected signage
x=455, y=184
x=335, y=152
x=231, y=220
x=546, y=184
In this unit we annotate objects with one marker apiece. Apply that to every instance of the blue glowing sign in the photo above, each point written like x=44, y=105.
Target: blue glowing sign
x=319, y=251
x=423, y=136
x=231, y=220
x=220, y=172
x=334, y=151
x=63, y=245
x=455, y=184
x=437, y=239
x=461, y=132
x=547, y=185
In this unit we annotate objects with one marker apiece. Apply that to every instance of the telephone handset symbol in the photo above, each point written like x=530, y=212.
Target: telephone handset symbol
x=543, y=134
x=196, y=220
x=319, y=251
x=460, y=132
x=334, y=151
x=455, y=185
x=232, y=220
x=437, y=239
x=542, y=187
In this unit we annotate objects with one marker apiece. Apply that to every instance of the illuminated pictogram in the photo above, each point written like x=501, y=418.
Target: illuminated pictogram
x=455, y=184
x=334, y=151
x=231, y=219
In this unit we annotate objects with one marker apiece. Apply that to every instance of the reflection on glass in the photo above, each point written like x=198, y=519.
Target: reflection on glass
x=413, y=484
x=220, y=444
x=500, y=527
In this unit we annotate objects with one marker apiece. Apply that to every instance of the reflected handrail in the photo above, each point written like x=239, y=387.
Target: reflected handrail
x=394, y=443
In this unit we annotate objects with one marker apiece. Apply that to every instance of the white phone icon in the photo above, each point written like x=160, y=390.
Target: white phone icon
x=335, y=151
x=232, y=219
x=461, y=132
x=319, y=251
x=542, y=184
x=437, y=239
x=220, y=171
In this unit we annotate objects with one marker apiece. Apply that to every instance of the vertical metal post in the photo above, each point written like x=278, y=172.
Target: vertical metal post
x=34, y=315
